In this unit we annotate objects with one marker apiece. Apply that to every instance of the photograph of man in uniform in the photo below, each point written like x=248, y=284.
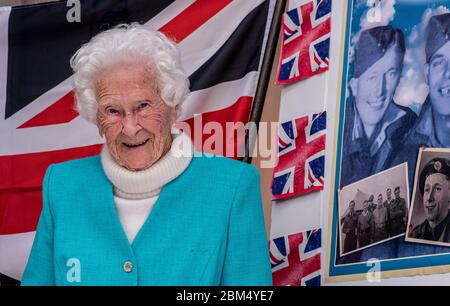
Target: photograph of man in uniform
x=389, y=199
x=374, y=124
x=398, y=214
x=432, y=128
x=349, y=228
x=364, y=231
x=434, y=187
x=380, y=219
x=372, y=205
x=365, y=226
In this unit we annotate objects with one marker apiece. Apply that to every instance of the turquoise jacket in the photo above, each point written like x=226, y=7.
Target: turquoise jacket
x=206, y=228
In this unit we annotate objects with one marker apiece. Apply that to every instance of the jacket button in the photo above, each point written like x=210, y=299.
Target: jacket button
x=128, y=266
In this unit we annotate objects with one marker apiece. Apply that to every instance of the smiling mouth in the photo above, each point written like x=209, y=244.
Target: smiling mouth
x=430, y=207
x=135, y=145
x=445, y=91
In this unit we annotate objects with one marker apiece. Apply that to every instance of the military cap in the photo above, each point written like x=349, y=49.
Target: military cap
x=436, y=165
x=373, y=44
x=438, y=33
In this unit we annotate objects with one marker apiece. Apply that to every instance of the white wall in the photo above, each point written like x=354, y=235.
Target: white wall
x=311, y=96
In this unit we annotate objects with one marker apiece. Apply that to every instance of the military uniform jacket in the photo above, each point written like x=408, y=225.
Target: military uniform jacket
x=440, y=233
x=363, y=157
x=349, y=224
x=421, y=134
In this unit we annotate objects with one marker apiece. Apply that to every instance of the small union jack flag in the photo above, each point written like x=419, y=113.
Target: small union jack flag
x=306, y=41
x=301, y=156
x=295, y=259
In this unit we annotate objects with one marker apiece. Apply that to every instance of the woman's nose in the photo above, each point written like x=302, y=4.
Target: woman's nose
x=130, y=125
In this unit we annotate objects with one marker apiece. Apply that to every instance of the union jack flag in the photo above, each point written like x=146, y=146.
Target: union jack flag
x=301, y=156
x=306, y=41
x=295, y=259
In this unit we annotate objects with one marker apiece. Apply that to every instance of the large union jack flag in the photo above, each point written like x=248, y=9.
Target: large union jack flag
x=37, y=123
x=301, y=156
x=295, y=259
x=306, y=41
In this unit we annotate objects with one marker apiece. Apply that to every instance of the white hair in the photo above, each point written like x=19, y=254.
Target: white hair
x=124, y=43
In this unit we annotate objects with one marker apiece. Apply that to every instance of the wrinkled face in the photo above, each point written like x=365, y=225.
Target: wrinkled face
x=131, y=114
x=389, y=194
x=437, y=73
x=380, y=201
x=374, y=89
x=436, y=198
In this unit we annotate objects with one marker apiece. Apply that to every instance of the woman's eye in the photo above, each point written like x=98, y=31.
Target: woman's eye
x=144, y=105
x=112, y=111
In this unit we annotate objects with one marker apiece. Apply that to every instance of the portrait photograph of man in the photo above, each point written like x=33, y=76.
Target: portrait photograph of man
x=432, y=128
x=364, y=223
x=429, y=220
x=374, y=123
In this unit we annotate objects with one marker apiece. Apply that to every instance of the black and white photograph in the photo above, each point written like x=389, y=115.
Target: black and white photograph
x=374, y=210
x=429, y=217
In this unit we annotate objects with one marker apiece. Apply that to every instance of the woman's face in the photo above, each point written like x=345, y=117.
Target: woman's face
x=131, y=114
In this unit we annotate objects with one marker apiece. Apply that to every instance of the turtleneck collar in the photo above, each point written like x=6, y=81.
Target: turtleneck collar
x=148, y=183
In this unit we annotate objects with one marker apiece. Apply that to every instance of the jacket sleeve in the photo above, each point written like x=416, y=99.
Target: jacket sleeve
x=40, y=268
x=247, y=254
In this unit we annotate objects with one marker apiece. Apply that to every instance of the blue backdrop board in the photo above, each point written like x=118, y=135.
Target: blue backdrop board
x=384, y=96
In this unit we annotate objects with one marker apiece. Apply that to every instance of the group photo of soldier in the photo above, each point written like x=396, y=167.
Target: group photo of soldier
x=429, y=218
x=374, y=210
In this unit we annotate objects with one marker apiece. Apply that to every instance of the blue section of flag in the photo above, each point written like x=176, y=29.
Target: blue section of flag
x=280, y=183
x=314, y=240
x=323, y=9
x=319, y=122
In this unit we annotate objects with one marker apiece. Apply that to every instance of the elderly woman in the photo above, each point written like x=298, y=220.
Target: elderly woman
x=143, y=212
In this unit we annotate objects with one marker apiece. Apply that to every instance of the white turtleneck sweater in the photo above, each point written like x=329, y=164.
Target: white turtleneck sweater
x=135, y=192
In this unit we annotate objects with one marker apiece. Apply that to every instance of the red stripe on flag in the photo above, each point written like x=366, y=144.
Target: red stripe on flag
x=21, y=184
x=23, y=171
x=192, y=18
x=237, y=112
x=62, y=111
x=19, y=212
